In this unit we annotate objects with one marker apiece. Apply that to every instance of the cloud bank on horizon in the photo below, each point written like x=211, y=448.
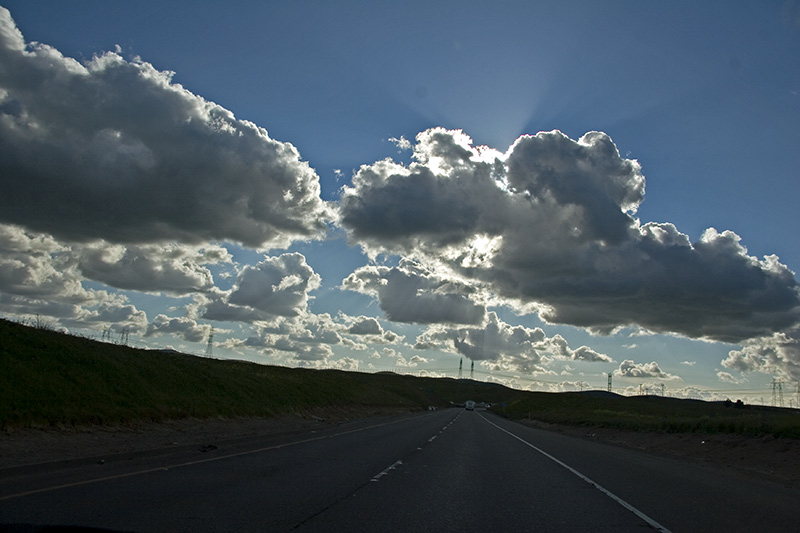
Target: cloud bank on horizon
x=113, y=175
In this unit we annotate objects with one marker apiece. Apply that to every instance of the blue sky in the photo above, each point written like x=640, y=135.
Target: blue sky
x=167, y=204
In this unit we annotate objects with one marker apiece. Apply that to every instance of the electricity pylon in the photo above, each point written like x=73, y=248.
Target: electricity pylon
x=210, y=345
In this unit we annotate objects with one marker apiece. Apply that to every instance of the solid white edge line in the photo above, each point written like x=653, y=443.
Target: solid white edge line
x=605, y=491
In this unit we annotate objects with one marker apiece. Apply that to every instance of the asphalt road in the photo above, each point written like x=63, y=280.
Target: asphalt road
x=449, y=470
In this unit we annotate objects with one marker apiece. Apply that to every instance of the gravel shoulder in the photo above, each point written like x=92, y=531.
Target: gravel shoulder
x=33, y=446
x=764, y=457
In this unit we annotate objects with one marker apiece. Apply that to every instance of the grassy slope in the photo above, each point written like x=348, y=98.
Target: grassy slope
x=51, y=379
x=48, y=378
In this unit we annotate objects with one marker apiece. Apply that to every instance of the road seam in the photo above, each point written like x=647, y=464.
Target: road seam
x=652, y=523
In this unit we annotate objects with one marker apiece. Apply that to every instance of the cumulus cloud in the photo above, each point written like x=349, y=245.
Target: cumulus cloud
x=114, y=149
x=412, y=362
x=304, y=340
x=778, y=354
x=505, y=347
x=38, y=275
x=630, y=369
x=184, y=327
x=413, y=294
x=170, y=268
x=550, y=224
x=369, y=328
x=366, y=326
x=727, y=377
x=276, y=287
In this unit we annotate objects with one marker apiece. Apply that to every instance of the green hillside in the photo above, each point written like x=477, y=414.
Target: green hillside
x=49, y=379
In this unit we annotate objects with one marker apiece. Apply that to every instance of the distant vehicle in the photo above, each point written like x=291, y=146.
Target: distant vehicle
x=470, y=405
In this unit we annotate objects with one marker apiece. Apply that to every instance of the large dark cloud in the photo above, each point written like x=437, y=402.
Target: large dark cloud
x=549, y=224
x=113, y=149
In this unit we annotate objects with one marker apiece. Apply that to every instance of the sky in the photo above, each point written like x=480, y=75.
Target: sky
x=541, y=193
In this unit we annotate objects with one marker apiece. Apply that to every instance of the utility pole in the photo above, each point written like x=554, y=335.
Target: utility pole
x=472, y=370
x=461, y=368
x=663, y=390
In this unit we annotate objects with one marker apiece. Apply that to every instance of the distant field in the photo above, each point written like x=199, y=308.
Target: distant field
x=48, y=379
x=656, y=413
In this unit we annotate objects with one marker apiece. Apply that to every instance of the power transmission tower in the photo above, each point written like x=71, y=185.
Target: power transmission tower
x=460, y=368
x=123, y=336
x=777, y=393
x=472, y=370
x=663, y=390
x=609, y=382
x=210, y=345
x=797, y=393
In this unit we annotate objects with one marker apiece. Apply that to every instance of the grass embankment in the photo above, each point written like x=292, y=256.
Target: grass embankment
x=52, y=379
x=655, y=414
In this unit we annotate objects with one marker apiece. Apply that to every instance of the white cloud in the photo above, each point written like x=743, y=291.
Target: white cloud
x=412, y=362
x=550, y=224
x=304, y=340
x=171, y=268
x=727, y=377
x=183, y=327
x=276, y=287
x=113, y=149
x=411, y=293
x=402, y=143
x=370, y=329
x=775, y=354
x=630, y=369
x=40, y=276
x=504, y=347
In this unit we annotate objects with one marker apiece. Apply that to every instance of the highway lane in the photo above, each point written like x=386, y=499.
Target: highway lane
x=449, y=470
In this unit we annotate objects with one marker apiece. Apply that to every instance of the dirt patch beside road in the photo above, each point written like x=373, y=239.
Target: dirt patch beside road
x=35, y=446
x=764, y=457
